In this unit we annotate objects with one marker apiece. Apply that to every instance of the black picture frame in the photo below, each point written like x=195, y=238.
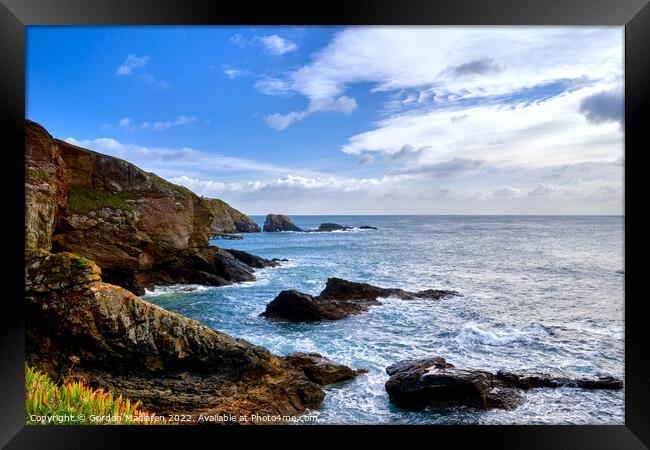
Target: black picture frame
x=15, y=15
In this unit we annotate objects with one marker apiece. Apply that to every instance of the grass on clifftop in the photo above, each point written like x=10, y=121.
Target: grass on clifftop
x=84, y=200
x=74, y=403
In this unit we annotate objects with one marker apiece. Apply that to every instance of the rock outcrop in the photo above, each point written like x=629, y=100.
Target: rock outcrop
x=45, y=186
x=170, y=362
x=414, y=384
x=338, y=300
x=332, y=227
x=322, y=370
x=135, y=225
x=254, y=261
x=277, y=222
x=367, y=227
x=228, y=220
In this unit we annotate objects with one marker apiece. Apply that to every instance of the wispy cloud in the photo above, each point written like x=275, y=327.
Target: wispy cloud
x=132, y=62
x=232, y=72
x=342, y=104
x=276, y=45
x=181, y=120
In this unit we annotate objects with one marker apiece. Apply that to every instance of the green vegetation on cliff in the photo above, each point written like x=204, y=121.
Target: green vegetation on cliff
x=74, y=403
x=82, y=200
x=32, y=173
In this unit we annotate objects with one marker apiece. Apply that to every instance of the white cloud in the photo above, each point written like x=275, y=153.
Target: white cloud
x=342, y=104
x=273, y=86
x=125, y=122
x=232, y=72
x=132, y=62
x=276, y=45
x=181, y=120
x=281, y=121
x=238, y=39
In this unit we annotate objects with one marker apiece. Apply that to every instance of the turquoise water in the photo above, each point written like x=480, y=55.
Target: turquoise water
x=538, y=293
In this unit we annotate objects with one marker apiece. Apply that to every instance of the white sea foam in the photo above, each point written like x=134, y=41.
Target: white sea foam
x=176, y=289
x=475, y=334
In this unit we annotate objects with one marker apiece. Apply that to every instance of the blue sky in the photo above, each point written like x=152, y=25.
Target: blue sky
x=359, y=120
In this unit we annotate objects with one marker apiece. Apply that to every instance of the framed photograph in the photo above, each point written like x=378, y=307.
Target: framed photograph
x=364, y=217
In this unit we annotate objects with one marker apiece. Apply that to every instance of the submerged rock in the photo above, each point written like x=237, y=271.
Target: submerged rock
x=277, y=222
x=367, y=227
x=417, y=383
x=320, y=369
x=169, y=362
x=338, y=300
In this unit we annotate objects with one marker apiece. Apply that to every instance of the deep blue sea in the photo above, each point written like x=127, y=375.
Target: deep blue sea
x=541, y=293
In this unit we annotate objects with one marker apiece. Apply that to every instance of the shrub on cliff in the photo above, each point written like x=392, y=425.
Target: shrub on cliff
x=74, y=403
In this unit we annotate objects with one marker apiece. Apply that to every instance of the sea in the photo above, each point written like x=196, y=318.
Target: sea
x=537, y=293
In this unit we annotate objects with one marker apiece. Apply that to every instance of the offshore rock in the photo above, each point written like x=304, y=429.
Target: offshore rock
x=277, y=222
x=414, y=384
x=338, y=300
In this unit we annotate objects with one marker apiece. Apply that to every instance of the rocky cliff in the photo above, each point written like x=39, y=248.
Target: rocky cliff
x=228, y=220
x=139, y=228
x=170, y=362
x=98, y=211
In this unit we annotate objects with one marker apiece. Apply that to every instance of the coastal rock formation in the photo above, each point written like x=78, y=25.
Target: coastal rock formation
x=414, y=384
x=367, y=227
x=133, y=224
x=322, y=370
x=332, y=227
x=45, y=187
x=228, y=220
x=338, y=300
x=277, y=222
x=251, y=260
x=170, y=362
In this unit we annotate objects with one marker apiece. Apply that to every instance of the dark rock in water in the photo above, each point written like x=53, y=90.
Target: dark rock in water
x=280, y=260
x=322, y=370
x=525, y=380
x=415, y=384
x=343, y=290
x=277, y=222
x=367, y=227
x=251, y=260
x=338, y=300
x=169, y=362
x=332, y=227
x=296, y=306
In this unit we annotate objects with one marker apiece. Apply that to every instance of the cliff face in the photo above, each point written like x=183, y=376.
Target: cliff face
x=228, y=220
x=133, y=224
x=45, y=187
x=168, y=361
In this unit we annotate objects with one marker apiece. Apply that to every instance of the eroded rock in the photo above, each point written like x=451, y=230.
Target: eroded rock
x=416, y=383
x=170, y=362
x=338, y=300
x=320, y=369
x=277, y=222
